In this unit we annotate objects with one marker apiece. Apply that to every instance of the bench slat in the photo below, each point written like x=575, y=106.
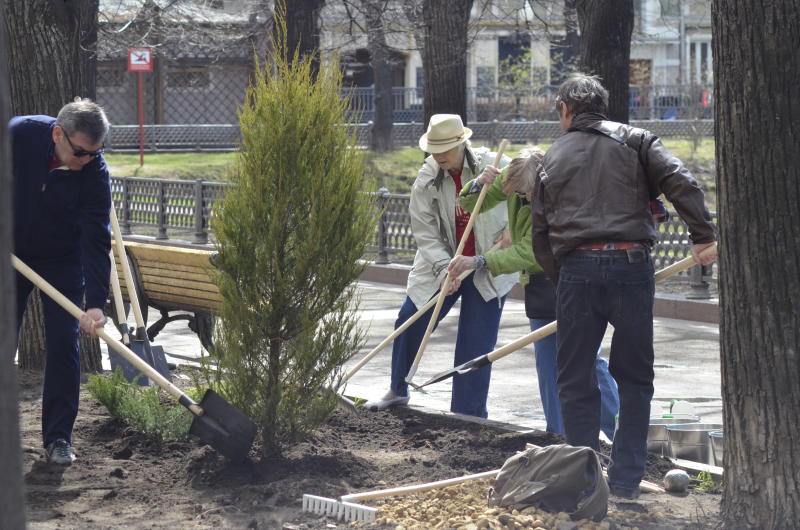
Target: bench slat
x=202, y=290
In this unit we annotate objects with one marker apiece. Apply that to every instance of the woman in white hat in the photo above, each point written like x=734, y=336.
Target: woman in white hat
x=438, y=222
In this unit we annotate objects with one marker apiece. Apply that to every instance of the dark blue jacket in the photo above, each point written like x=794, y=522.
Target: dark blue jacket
x=60, y=215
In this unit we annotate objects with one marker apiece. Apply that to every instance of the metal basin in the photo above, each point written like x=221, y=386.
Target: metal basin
x=657, y=441
x=690, y=441
x=716, y=447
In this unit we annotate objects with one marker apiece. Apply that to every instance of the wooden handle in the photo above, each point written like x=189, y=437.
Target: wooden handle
x=413, y=318
x=550, y=328
x=126, y=271
x=123, y=350
x=685, y=263
x=443, y=291
x=116, y=290
x=405, y=490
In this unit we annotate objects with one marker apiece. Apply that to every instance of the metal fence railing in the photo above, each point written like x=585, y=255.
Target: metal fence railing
x=211, y=94
x=224, y=137
x=646, y=102
x=162, y=207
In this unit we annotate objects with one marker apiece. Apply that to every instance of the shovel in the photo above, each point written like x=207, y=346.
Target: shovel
x=413, y=318
x=140, y=344
x=118, y=361
x=216, y=422
x=443, y=291
x=544, y=331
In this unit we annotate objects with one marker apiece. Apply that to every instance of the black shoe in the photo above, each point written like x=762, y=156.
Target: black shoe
x=625, y=493
x=60, y=452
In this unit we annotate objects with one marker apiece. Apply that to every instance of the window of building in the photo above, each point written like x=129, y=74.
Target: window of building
x=670, y=8
x=485, y=80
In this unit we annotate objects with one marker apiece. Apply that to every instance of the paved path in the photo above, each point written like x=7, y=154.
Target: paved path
x=687, y=360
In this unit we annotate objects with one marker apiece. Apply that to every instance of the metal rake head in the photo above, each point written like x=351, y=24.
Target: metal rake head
x=342, y=511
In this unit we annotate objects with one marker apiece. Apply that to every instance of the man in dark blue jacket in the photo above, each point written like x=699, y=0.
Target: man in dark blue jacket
x=62, y=199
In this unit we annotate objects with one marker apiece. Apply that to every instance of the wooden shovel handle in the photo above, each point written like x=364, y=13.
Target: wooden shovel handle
x=405, y=490
x=550, y=328
x=123, y=350
x=126, y=270
x=443, y=291
x=116, y=291
x=413, y=318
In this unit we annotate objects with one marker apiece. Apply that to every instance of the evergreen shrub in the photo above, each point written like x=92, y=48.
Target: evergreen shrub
x=141, y=407
x=289, y=238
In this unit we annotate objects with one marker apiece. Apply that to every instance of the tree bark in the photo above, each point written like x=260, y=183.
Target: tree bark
x=568, y=52
x=12, y=494
x=606, y=28
x=52, y=53
x=381, y=139
x=52, y=59
x=302, y=28
x=756, y=75
x=444, y=56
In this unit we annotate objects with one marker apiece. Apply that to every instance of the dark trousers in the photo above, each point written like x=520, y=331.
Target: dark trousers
x=597, y=288
x=477, y=334
x=62, y=373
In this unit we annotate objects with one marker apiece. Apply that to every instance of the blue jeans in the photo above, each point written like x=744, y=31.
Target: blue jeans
x=62, y=372
x=597, y=288
x=477, y=335
x=547, y=373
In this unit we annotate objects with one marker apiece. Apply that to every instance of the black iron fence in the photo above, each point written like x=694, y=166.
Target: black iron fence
x=180, y=209
x=180, y=93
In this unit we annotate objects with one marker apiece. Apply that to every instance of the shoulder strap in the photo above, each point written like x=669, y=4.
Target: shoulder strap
x=629, y=142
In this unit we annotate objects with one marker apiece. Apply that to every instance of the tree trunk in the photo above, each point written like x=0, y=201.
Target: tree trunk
x=568, y=49
x=47, y=72
x=606, y=28
x=381, y=139
x=302, y=28
x=59, y=63
x=12, y=494
x=756, y=67
x=444, y=57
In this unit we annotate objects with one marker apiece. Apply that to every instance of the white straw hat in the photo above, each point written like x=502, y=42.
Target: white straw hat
x=445, y=131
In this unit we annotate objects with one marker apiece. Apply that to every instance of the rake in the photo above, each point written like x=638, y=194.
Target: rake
x=443, y=291
x=345, y=509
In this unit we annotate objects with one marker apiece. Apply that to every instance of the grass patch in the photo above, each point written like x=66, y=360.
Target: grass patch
x=180, y=166
x=141, y=407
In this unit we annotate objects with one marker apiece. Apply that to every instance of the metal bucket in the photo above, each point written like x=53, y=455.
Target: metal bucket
x=657, y=441
x=690, y=441
x=716, y=447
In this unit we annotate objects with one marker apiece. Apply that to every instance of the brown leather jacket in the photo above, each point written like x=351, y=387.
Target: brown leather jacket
x=595, y=185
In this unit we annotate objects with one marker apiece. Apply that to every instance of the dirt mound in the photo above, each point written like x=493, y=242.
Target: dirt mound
x=125, y=479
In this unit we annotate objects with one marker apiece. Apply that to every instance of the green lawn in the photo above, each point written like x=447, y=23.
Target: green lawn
x=184, y=166
x=395, y=171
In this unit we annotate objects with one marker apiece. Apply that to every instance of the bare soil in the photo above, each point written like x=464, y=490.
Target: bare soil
x=123, y=479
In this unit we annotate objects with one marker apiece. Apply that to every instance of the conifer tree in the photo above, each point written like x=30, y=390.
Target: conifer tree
x=290, y=235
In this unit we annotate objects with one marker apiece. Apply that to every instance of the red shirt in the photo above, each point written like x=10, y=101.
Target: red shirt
x=462, y=219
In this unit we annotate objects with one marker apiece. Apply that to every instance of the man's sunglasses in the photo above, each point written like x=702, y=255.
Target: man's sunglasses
x=80, y=152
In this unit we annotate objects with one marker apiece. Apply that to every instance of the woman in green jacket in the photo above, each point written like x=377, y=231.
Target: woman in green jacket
x=515, y=187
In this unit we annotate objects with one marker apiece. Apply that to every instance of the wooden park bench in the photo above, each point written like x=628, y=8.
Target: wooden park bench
x=175, y=280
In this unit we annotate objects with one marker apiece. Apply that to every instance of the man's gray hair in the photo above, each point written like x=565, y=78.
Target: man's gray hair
x=84, y=116
x=583, y=93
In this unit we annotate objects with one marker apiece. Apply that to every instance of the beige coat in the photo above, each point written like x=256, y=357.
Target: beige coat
x=433, y=223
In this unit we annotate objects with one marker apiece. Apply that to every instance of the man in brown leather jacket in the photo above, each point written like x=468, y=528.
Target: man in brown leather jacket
x=592, y=234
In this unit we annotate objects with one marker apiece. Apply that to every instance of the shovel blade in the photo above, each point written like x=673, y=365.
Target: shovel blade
x=160, y=362
x=223, y=427
x=128, y=370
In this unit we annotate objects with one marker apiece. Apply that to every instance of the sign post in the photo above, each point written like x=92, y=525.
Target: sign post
x=140, y=60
